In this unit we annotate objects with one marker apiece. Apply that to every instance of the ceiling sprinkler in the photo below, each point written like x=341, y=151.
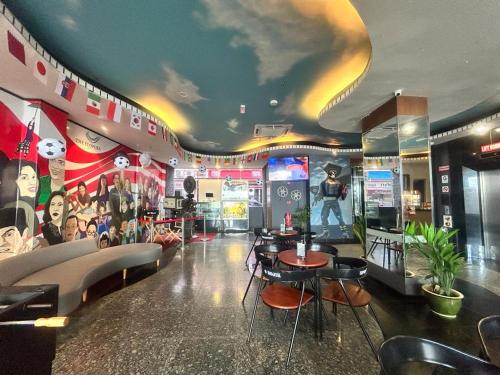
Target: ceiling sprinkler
x=273, y=102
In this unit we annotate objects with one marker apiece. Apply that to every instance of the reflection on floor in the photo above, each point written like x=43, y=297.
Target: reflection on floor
x=188, y=319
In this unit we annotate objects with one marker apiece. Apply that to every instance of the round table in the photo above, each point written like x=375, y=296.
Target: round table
x=276, y=232
x=313, y=259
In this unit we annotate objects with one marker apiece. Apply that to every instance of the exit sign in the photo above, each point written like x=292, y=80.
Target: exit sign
x=490, y=148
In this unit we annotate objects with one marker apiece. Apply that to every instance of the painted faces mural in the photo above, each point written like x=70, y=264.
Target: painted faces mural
x=106, y=196
x=330, y=197
x=60, y=184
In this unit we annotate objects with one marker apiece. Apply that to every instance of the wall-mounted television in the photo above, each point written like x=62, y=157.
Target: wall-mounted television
x=290, y=168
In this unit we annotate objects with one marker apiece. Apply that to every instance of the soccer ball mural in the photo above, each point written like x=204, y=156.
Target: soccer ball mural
x=121, y=161
x=203, y=169
x=50, y=148
x=260, y=181
x=145, y=160
x=172, y=162
x=229, y=179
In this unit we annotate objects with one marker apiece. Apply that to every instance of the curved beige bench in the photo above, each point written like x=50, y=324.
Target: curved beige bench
x=82, y=266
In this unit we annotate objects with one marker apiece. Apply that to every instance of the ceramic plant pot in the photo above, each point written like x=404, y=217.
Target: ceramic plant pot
x=444, y=306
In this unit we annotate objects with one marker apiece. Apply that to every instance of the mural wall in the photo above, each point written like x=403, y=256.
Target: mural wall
x=60, y=182
x=330, y=197
x=287, y=197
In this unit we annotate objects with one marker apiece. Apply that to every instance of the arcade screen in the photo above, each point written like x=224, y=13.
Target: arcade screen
x=291, y=168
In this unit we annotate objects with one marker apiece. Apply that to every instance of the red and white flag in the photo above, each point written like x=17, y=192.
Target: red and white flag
x=135, y=121
x=114, y=112
x=164, y=134
x=16, y=48
x=40, y=71
x=152, y=128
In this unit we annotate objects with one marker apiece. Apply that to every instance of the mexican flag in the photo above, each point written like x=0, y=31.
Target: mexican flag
x=93, y=103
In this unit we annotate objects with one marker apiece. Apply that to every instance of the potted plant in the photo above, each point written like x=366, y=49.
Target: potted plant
x=301, y=218
x=443, y=266
x=359, y=230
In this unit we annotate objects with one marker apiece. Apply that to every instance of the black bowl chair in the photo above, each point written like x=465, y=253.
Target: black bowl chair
x=278, y=295
x=258, y=237
x=323, y=248
x=396, y=353
x=290, y=241
x=310, y=236
x=345, y=288
x=269, y=250
x=489, y=333
x=267, y=237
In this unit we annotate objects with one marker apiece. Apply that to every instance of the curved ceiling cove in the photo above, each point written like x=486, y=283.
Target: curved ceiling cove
x=195, y=63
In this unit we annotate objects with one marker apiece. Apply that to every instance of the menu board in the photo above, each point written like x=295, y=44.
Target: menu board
x=235, y=190
x=379, y=186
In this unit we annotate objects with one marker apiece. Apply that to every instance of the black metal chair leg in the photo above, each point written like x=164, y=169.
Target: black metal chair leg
x=370, y=308
x=249, y=283
x=359, y=321
x=254, y=311
x=250, y=252
x=295, y=326
x=286, y=317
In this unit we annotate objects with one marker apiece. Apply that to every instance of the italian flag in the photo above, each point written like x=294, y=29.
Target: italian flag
x=114, y=112
x=93, y=103
x=152, y=127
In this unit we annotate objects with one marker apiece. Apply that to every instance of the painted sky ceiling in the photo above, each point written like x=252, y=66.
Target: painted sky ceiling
x=193, y=62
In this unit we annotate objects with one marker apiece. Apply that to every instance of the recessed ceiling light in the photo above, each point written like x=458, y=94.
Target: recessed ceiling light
x=497, y=130
x=103, y=128
x=182, y=94
x=273, y=102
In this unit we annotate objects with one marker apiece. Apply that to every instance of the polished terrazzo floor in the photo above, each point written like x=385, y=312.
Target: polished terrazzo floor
x=188, y=319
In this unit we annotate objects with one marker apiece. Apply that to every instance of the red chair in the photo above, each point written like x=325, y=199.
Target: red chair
x=279, y=295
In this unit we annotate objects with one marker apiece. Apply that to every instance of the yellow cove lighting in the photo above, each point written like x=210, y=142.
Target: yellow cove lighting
x=348, y=25
x=166, y=111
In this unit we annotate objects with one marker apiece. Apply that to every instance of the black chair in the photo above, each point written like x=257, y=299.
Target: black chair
x=324, y=248
x=489, y=333
x=271, y=250
x=310, y=236
x=345, y=288
x=397, y=354
x=277, y=295
x=258, y=237
x=267, y=237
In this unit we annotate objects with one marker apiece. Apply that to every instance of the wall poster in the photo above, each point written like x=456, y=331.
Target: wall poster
x=330, y=197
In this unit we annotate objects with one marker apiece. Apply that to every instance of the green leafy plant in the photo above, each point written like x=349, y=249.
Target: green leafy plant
x=359, y=230
x=443, y=262
x=301, y=217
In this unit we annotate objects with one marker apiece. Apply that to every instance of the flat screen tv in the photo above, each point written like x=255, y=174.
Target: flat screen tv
x=291, y=168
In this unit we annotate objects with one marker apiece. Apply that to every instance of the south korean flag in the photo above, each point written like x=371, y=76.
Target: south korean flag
x=135, y=121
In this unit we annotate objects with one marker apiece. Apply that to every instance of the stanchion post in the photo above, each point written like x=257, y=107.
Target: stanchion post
x=204, y=229
x=182, y=230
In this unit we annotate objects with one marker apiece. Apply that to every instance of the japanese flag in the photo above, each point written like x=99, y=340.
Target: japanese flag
x=40, y=71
